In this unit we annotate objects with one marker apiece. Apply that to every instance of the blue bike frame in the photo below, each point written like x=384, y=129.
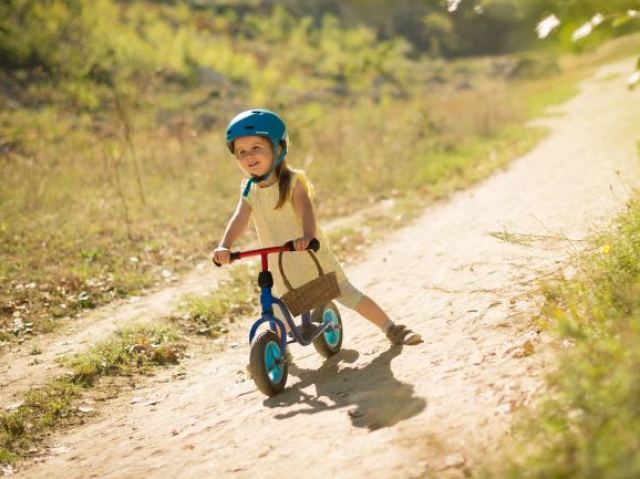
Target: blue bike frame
x=267, y=300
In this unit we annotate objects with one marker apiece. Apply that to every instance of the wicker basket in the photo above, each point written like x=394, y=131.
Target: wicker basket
x=310, y=295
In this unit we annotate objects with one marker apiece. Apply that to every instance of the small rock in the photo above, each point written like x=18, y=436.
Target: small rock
x=566, y=343
x=477, y=359
x=58, y=450
x=355, y=412
x=525, y=349
x=86, y=409
x=454, y=460
x=14, y=406
x=153, y=402
x=504, y=408
x=6, y=470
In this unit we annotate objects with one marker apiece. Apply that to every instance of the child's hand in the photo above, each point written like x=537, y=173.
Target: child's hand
x=301, y=244
x=221, y=255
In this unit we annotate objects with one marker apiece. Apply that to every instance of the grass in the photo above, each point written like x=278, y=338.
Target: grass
x=211, y=314
x=103, y=205
x=55, y=405
x=54, y=267
x=588, y=422
x=131, y=351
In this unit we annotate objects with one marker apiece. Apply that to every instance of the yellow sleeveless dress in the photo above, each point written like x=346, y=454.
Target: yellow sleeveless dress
x=277, y=226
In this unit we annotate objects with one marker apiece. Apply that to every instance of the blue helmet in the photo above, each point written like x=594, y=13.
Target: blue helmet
x=259, y=122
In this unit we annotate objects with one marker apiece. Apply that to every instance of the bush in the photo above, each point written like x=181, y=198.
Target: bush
x=589, y=425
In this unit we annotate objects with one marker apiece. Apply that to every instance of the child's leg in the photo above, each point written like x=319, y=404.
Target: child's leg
x=396, y=333
x=369, y=309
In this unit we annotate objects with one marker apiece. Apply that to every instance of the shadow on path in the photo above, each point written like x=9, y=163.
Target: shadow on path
x=379, y=399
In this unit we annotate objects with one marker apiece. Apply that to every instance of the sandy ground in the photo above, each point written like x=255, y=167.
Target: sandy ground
x=374, y=410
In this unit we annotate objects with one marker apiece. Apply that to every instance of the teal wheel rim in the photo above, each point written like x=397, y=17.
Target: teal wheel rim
x=273, y=362
x=332, y=333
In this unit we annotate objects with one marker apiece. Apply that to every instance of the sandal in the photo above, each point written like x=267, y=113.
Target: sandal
x=400, y=334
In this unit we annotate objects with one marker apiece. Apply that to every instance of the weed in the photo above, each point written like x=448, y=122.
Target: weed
x=588, y=422
x=132, y=350
x=209, y=315
x=135, y=350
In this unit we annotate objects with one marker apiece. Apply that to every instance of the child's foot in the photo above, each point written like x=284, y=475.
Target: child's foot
x=400, y=334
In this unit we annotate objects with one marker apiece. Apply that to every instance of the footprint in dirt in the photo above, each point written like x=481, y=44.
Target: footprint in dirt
x=376, y=397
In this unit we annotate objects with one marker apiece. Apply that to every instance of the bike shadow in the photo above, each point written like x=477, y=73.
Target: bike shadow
x=379, y=399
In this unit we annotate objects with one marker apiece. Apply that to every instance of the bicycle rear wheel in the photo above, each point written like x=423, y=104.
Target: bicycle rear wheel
x=329, y=342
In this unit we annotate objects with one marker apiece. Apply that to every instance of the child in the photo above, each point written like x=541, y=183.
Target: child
x=280, y=199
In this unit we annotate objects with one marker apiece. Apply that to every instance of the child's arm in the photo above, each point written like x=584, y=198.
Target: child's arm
x=235, y=227
x=304, y=209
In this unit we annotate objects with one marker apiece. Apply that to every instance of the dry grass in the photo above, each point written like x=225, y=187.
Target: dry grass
x=56, y=404
x=100, y=206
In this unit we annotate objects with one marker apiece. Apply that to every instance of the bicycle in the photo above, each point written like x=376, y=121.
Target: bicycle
x=267, y=360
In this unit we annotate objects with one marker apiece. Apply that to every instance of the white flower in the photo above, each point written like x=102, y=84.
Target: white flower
x=596, y=20
x=582, y=32
x=452, y=5
x=546, y=26
x=587, y=28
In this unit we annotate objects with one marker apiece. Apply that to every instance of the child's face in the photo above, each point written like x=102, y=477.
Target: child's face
x=254, y=154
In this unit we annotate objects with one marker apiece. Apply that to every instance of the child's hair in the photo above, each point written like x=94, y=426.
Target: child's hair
x=285, y=177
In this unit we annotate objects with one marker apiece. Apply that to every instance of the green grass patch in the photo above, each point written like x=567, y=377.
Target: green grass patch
x=588, y=424
x=539, y=95
x=55, y=405
x=211, y=314
x=132, y=351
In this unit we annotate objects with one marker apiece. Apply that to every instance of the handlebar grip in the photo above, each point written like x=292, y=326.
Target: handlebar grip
x=235, y=255
x=314, y=245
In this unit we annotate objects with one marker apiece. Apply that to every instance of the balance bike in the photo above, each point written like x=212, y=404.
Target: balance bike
x=321, y=327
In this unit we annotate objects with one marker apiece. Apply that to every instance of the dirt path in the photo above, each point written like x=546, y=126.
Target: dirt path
x=381, y=411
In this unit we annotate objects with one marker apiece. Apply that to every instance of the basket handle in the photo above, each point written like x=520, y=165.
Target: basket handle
x=284, y=277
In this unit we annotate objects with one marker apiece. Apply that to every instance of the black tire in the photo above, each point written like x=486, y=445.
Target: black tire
x=330, y=342
x=268, y=364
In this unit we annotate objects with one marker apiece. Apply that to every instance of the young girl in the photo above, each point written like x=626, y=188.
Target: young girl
x=280, y=199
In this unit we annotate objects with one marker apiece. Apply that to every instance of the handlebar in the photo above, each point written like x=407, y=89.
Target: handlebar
x=314, y=245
